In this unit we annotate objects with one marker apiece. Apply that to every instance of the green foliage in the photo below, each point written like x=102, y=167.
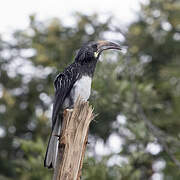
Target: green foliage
x=99, y=170
x=31, y=164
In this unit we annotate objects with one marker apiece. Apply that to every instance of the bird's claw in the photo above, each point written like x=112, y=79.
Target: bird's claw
x=70, y=110
x=59, y=136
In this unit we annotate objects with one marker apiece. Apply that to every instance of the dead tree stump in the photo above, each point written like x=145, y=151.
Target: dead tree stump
x=73, y=141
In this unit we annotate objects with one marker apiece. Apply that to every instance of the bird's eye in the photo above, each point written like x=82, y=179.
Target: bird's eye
x=94, y=47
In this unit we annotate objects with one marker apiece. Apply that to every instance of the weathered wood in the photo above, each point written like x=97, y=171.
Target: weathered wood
x=74, y=133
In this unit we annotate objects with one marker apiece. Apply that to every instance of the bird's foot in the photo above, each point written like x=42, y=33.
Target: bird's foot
x=70, y=110
x=61, y=139
x=59, y=136
x=87, y=142
x=66, y=111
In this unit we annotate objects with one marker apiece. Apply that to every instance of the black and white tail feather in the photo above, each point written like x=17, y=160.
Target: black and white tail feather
x=52, y=148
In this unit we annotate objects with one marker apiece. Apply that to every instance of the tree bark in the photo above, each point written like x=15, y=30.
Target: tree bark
x=74, y=133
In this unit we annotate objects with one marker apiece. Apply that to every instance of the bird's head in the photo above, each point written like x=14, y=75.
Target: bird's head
x=93, y=50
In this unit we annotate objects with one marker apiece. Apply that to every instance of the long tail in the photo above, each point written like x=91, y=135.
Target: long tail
x=52, y=148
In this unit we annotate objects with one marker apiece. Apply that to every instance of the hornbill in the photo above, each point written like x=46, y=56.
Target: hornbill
x=74, y=81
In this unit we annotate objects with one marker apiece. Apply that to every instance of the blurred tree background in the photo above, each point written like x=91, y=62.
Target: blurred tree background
x=135, y=93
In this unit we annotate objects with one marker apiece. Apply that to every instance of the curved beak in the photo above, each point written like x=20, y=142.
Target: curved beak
x=105, y=45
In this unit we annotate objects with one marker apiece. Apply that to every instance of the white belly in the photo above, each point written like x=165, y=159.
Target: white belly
x=82, y=88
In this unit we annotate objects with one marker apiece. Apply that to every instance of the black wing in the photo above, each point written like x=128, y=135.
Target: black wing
x=63, y=84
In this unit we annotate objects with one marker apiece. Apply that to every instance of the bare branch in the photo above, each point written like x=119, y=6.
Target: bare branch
x=73, y=141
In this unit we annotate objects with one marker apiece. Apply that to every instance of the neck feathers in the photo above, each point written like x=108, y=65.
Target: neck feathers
x=87, y=62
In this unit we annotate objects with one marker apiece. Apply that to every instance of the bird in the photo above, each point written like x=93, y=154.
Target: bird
x=73, y=82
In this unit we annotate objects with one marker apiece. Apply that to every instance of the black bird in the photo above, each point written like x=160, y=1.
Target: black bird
x=73, y=82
